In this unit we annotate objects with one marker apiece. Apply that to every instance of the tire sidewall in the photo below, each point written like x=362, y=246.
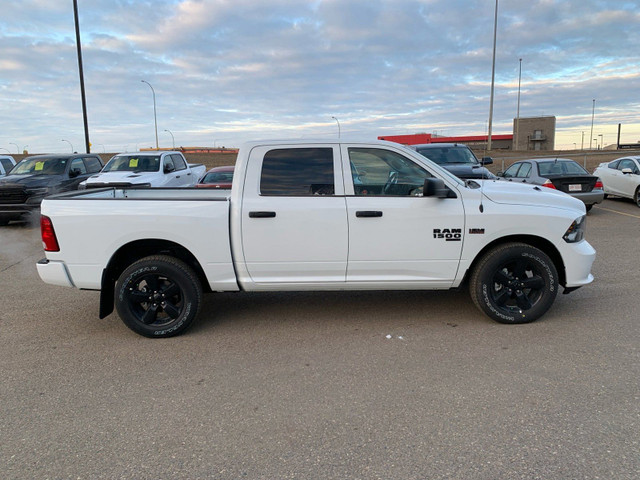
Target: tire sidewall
x=483, y=284
x=174, y=270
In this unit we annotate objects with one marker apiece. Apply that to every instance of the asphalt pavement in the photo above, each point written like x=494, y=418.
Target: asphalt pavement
x=347, y=385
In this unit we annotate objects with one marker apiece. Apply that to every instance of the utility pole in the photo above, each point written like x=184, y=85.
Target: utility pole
x=518, y=111
x=84, y=100
x=493, y=76
x=593, y=111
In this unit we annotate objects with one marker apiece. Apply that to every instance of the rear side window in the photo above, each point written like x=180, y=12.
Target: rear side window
x=297, y=171
x=93, y=164
x=524, y=171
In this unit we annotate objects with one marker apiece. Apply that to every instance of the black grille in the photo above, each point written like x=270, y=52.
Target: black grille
x=12, y=195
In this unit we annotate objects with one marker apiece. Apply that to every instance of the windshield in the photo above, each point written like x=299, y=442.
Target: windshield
x=560, y=168
x=450, y=155
x=133, y=163
x=218, y=177
x=40, y=166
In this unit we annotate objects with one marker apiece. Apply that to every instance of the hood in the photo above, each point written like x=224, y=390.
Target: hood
x=510, y=193
x=465, y=171
x=121, y=177
x=31, y=180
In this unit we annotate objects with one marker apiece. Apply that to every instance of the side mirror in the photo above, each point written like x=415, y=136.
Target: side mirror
x=627, y=171
x=168, y=169
x=74, y=172
x=500, y=174
x=435, y=187
x=486, y=161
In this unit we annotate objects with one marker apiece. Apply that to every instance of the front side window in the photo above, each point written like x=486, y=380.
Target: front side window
x=376, y=171
x=511, y=171
x=6, y=164
x=93, y=164
x=78, y=165
x=524, y=171
x=179, y=162
x=628, y=163
x=450, y=155
x=298, y=172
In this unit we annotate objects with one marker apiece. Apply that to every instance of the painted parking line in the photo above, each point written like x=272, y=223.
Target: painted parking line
x=619, y=213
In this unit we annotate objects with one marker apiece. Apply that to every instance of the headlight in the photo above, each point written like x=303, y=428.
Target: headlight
x=575, y=232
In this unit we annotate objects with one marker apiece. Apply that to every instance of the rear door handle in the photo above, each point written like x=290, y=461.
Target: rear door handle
x=262, y=214
x=368, y=213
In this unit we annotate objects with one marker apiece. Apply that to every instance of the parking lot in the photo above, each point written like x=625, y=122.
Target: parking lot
x=402, y=385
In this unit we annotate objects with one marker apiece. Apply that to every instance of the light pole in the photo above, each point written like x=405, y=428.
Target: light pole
x=596, y=140
x=173, y=140
x=103, y=150
x=17, y=147
x=155, y=118
x=518, y=111
x=575, y=147
x=5, y=149
x=80, y=70
x=338, y=125
x=582, y=144
x=601, y=140
x=63, y=140
x=493, y=76
x=593, y=111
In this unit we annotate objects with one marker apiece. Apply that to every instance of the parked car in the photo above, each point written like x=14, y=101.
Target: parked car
x=147, y=169
x=217, y=177
x=560, y=174
x=22, y=190
x=6, y=164
x=294, y=221
x=457, y=158
x=621, y=177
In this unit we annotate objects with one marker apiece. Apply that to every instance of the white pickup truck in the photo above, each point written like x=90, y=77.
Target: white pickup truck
x=147, y=169
x=320, y=215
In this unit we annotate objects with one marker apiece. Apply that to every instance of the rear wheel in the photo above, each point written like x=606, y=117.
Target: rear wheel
x=589, y=207
x=158, y=296
x=514, y=283
x=636, y=196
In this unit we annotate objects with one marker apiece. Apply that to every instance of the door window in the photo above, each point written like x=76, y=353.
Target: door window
x=628, y=163
x=168, y=164
x=511, y=171
x=6, y=164
x=179, y=162
x=298, y=172
x=78, y=164
x=93, y=164
x=377, y=171
x=524, y=171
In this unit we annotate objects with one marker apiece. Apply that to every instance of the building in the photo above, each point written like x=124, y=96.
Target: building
x=477, y=142
x=534, y=133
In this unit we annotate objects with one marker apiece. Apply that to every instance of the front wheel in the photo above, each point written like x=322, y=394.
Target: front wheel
x=636, y=196
x=158, y=296
x=514, y=283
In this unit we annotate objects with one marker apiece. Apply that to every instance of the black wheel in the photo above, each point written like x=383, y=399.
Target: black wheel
x=158, y=296
x=589, y=207
x=514, y=283
x=4, y=220
x=636, y=196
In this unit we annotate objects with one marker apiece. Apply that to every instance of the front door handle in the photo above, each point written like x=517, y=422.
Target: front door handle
x=262, y=214
x=368, y=213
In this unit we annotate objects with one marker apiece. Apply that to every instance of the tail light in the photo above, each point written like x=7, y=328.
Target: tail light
x=49, y=240
x=598, y=184
x=549, y=184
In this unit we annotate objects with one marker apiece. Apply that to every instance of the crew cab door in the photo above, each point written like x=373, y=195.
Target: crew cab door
x=293, y=216
x=397, y=236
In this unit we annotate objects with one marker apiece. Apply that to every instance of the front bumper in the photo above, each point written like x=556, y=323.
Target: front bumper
x=578, y=260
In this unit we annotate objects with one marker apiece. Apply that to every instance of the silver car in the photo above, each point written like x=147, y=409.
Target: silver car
x=560, y=174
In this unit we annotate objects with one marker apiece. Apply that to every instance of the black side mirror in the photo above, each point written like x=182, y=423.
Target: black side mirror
x=486, y=160
x=500, y=174
x=435, y=187
x=168, y=169
x=74, y=172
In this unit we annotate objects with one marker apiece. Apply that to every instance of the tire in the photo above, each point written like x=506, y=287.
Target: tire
x=514, y=283
x=158, y=296
x=4, y=220
x=636, y=197
x=589, y=207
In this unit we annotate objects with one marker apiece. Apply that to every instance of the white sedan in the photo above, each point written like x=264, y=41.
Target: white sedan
x=621, y=177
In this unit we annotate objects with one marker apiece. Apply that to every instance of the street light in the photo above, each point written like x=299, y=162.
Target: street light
x=173, y=140
x=63, y=140
x=155, y=118
x=5, y=149
x=103, y=150
x=17, y=147
x=24, y=149
x=593, y=111
x=518, y=111
x=595, y=140
x=493, y=76
x=338, y=125
x=601, y=140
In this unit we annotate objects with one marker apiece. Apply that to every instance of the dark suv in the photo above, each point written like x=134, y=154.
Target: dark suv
x=34, y=178
x=457, y=158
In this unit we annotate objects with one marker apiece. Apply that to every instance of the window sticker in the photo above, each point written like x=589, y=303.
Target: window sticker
x=39, y=166
x=133, y=163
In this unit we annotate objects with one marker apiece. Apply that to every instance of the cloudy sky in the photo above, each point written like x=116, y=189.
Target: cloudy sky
x=226, y=71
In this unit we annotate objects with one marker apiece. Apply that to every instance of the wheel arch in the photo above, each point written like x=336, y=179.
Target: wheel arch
x=538, y=242
x=134, y=251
